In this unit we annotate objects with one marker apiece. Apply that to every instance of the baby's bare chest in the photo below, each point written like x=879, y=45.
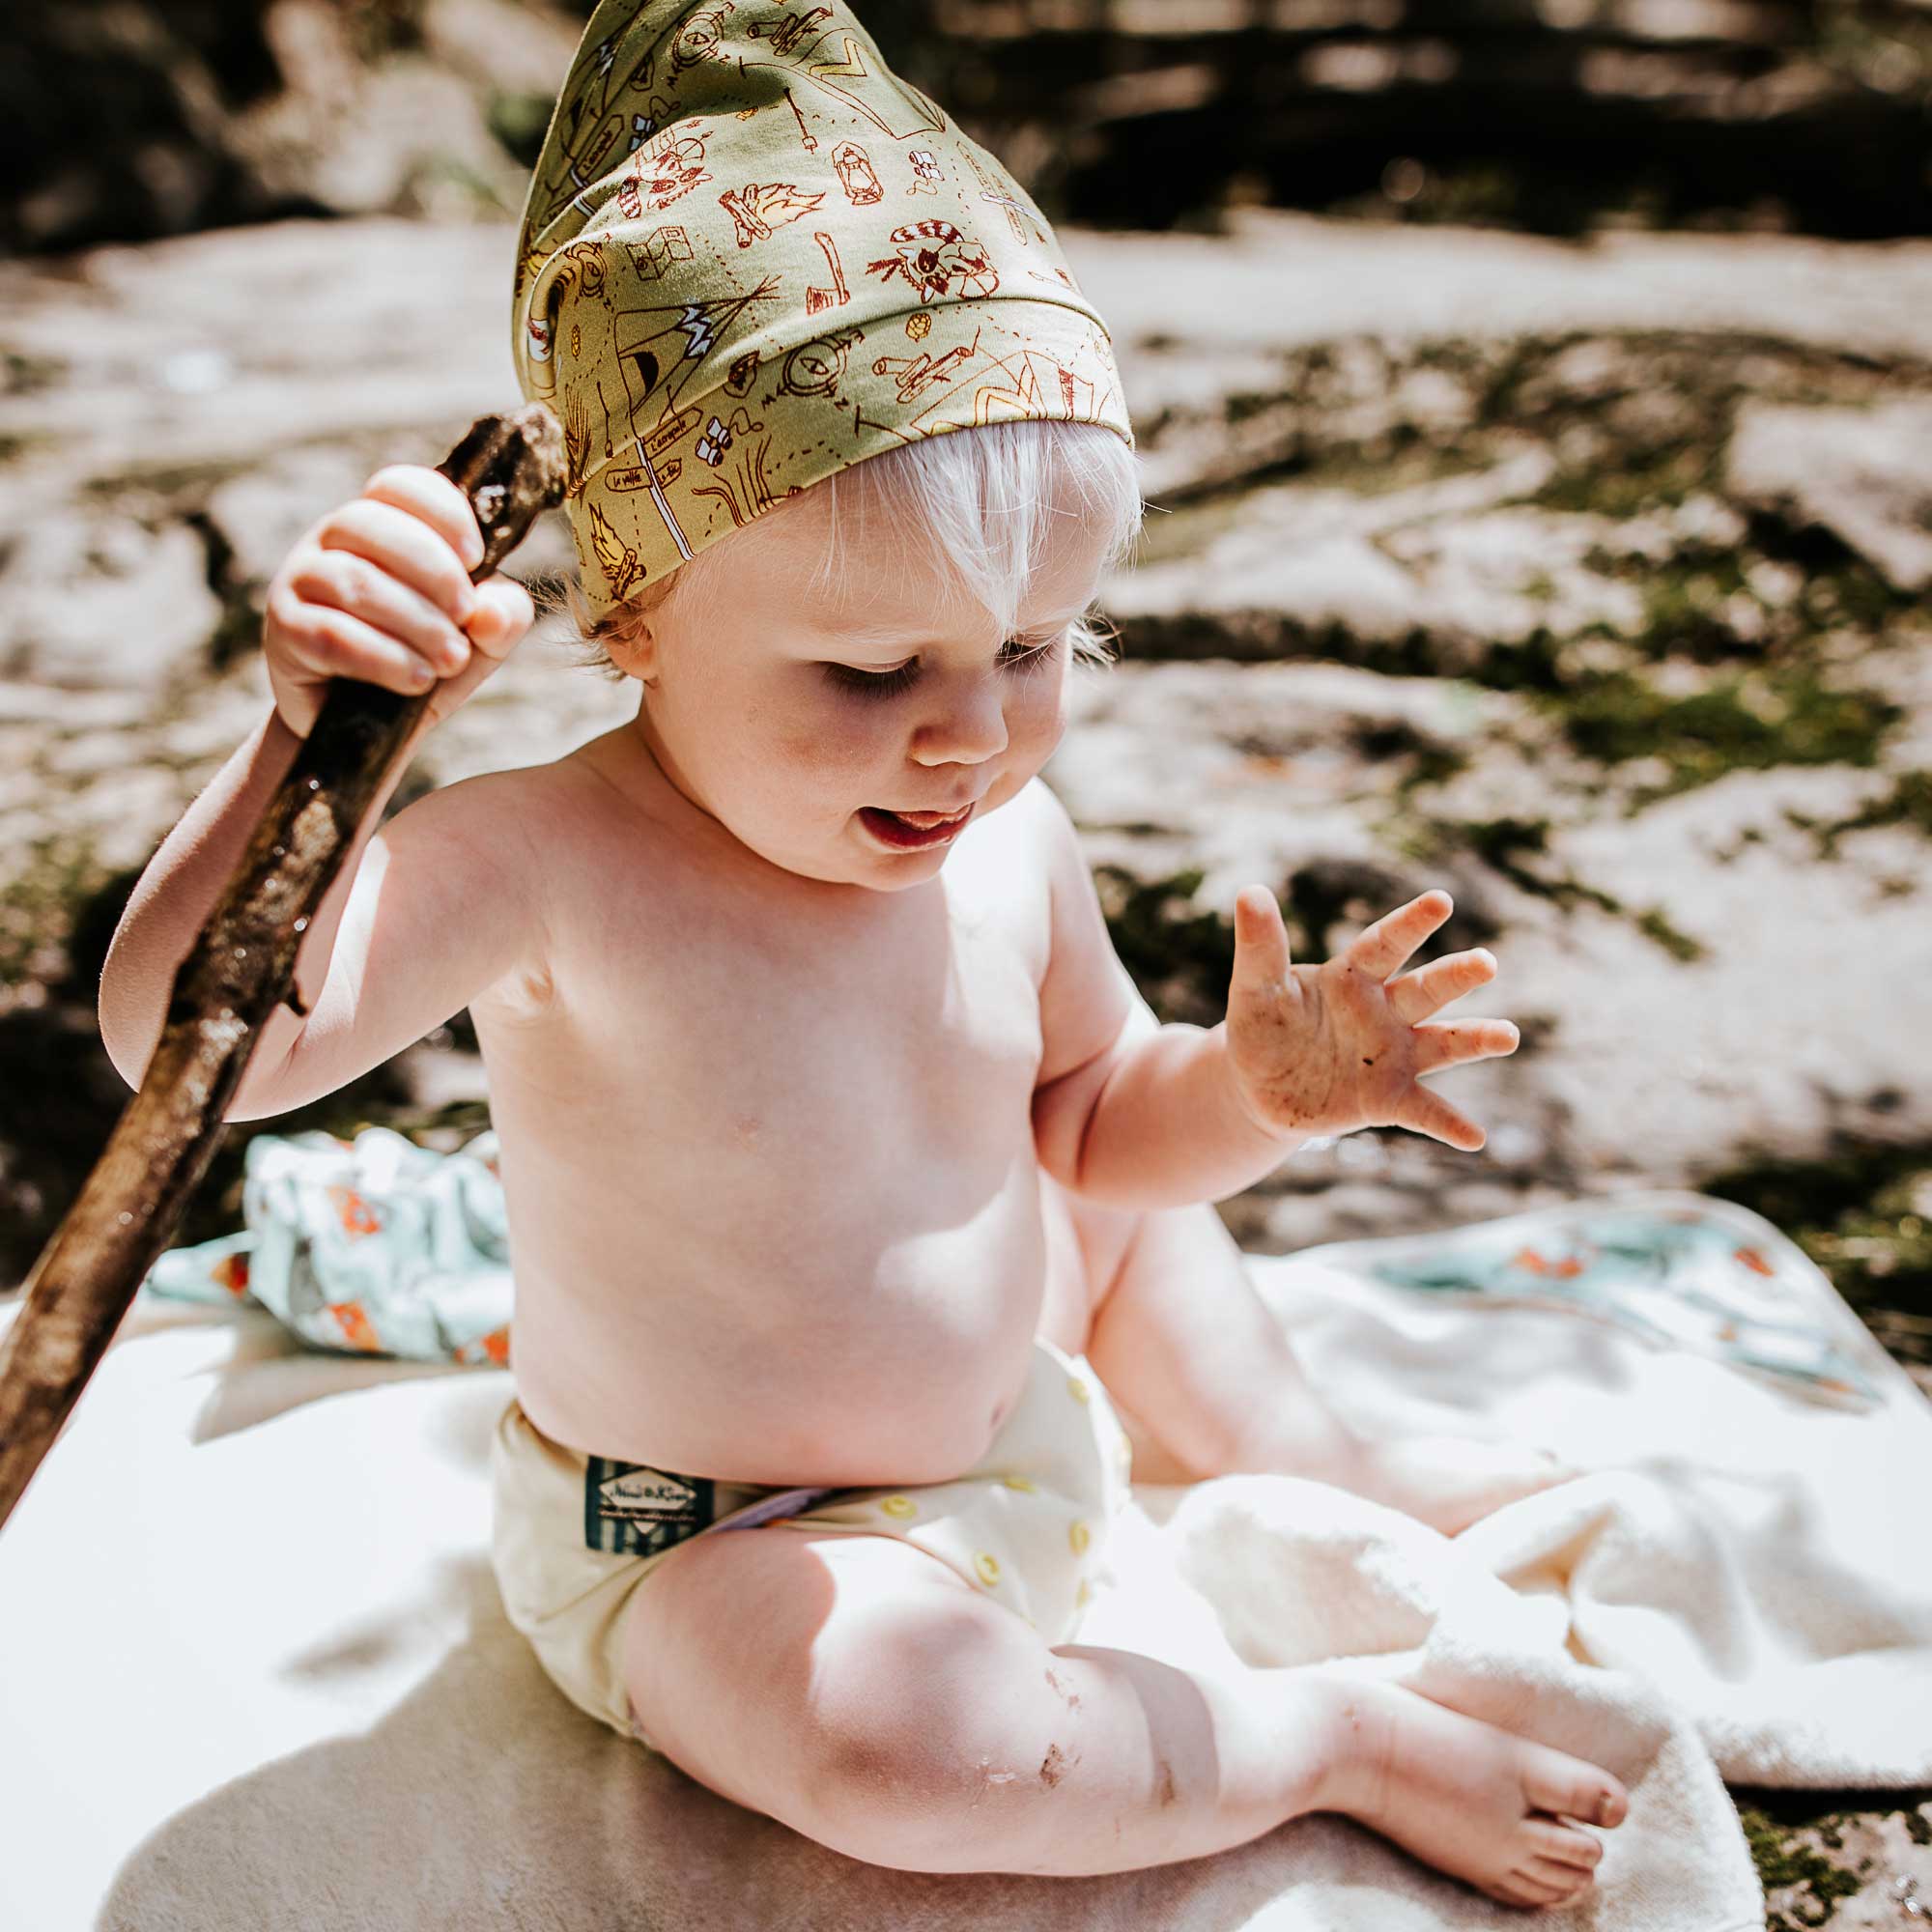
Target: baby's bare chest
x=767, y=1156
x=751, y=1055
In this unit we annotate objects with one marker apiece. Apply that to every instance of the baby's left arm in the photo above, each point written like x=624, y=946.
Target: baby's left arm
x=1139, y=1114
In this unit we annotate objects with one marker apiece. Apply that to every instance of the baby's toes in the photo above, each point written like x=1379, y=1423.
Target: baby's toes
x=1528, y=1887
x=1553, y=1842
x=1552, y=1780
x=1564, y=1880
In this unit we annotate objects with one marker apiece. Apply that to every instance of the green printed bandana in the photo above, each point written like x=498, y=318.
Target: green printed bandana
x=753, y=256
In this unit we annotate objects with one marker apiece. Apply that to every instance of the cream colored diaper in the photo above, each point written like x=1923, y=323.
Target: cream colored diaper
x=1027, y=1525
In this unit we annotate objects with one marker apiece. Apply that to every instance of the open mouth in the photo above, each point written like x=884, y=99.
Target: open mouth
x=906, y=829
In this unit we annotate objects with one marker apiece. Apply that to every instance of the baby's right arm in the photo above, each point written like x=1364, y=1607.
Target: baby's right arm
x=424, y=915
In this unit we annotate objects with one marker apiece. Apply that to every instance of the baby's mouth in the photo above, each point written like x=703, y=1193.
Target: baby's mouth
x=925, y=821
x=914, y=828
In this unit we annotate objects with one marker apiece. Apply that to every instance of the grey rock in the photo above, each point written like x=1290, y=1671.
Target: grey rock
x=90, y=599
x=1866, y=475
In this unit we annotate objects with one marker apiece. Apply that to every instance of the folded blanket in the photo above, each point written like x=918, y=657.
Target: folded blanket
x=255, y=1670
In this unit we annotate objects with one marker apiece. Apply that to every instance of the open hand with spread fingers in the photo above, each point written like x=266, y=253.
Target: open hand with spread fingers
x=1326, y=1049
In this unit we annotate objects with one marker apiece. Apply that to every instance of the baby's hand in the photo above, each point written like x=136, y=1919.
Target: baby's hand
x=378, y=590
x=1326, y=1049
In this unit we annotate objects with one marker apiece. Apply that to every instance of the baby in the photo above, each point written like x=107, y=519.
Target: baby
x=850, y=1183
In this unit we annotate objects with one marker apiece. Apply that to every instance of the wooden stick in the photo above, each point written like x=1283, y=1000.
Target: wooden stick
x=241, y=967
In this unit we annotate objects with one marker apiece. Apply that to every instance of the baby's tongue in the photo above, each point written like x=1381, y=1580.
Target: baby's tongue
x=921, y=820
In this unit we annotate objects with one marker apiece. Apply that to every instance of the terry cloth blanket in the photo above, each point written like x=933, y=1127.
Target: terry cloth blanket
x=254, y=1669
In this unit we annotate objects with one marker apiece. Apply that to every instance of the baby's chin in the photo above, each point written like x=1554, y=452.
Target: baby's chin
x=854, y=861
x=851, y=856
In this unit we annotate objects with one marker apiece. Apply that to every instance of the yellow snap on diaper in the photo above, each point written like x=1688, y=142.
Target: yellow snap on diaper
x=574, y=1535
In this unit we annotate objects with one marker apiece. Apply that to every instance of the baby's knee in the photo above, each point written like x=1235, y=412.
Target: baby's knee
x=914, y=1726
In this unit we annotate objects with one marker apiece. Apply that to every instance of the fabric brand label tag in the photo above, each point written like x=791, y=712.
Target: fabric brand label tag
x=632, y=1510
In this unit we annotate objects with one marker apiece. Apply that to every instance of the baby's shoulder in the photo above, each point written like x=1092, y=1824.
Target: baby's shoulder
x=1002, y=872
x=1018, y=839
x=1026, y=821
x=1040, y=834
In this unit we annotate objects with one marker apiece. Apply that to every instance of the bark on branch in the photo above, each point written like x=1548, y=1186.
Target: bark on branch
x=241, y=966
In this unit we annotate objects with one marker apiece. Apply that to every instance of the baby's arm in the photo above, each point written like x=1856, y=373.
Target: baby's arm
x=1127, y=1111
x=422, y=915
x=1196, y=1114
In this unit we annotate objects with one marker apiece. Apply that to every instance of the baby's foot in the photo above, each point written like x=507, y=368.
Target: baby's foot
x=1469, y=1797
x=1451, y=1480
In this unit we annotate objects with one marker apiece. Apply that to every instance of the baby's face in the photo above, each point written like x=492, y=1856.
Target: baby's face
x=803, y=724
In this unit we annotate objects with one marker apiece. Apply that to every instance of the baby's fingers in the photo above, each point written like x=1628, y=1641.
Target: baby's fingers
x=1261, y=944
x=1379, y=949
x=1444, y=1043
x=1427, y=989
x=325, y=642
x=1425, y=1112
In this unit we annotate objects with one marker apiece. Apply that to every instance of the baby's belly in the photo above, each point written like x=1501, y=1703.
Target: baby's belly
x=785, y=1368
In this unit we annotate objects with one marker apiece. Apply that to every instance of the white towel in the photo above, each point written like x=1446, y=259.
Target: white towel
x=253, y=1670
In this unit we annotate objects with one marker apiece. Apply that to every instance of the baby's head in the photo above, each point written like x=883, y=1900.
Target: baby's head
x=843, y=433
x=894, y=638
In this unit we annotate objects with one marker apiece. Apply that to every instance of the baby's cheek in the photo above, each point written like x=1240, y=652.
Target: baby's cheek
x=1040, y=723
x=826, y=751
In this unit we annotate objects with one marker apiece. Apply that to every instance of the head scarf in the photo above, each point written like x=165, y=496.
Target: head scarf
x=753, y=256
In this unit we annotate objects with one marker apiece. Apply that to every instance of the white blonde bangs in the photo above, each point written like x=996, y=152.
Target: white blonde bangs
x=980, y=502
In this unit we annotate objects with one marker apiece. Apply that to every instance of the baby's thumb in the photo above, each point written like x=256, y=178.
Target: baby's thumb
x=1261, y=943
x=503, y=612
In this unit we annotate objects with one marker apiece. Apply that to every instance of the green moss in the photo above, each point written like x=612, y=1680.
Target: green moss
x=22, y=374
x=1782, y=1865
x=1180, y=959
x=1501, y=842
x=1847, y=591
x=38, y=905
x=1770, y=1817
x=1187, y=531
x=377, y=29
x=1909, y=802
x=519, y=122
x=1654, y=925
x=1630, y=487
x=1747, y=721
x=1429, y=760
x=1685, y=611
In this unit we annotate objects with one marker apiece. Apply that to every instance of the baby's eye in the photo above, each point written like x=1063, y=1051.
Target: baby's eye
x=1023, y=653
x=1031, y=655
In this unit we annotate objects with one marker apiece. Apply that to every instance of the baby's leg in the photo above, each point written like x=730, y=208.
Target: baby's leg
x=1181, y=1335
x=857, y=1689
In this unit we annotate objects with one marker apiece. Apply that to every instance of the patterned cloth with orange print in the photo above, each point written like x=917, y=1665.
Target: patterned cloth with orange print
x=373, y=1246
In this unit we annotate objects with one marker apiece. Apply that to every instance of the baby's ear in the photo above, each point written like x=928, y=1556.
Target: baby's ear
x=627, y=636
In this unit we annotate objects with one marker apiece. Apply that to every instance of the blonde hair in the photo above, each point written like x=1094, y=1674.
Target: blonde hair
x=979, y=500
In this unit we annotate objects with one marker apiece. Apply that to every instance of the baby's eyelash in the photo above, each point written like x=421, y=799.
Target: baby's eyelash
x=889, y=683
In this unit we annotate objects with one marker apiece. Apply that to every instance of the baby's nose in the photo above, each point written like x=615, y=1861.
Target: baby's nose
x=967, y=729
